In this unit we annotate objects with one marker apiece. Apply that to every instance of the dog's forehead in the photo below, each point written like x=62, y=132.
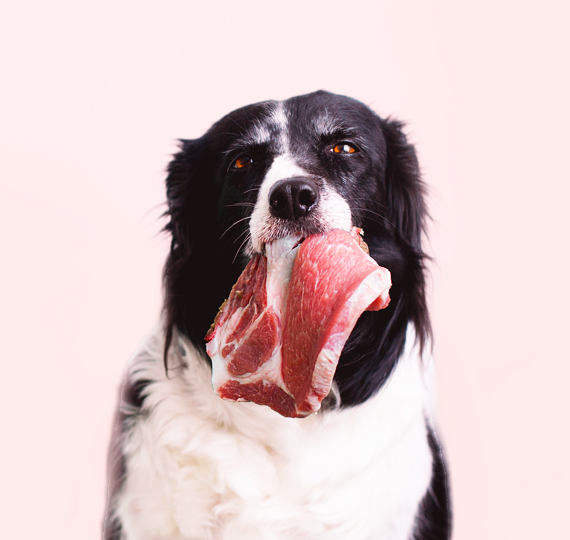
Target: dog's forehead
x=277, y=122
x=252, y=125
x=323, y=114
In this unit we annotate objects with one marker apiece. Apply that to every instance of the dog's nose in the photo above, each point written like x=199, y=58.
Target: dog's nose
x=293, y=198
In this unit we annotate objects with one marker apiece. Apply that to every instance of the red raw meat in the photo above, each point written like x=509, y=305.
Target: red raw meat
x=277, y=339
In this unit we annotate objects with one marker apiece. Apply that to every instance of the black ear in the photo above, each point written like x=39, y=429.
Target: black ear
x=403, y=187
x=192, y=196
x=180, y=182
x=407, y=213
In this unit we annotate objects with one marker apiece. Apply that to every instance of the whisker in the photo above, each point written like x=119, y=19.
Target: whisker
x=370, y=211
x=244, y=232
x=240, y=204
x=234, y=224
x=368, y=200
x=386, y=220
x=242, y=244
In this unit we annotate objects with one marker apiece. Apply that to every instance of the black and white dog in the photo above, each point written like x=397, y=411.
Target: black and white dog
x=186, y=464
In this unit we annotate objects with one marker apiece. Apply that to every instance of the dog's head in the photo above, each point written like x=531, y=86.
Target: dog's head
x=303, y=166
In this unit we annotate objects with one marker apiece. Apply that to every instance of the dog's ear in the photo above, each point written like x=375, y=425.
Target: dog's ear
x=182, y=188
x=403, y=187
x=404, y=194
x=191, y=198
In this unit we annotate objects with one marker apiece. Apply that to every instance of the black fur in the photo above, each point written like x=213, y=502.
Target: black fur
x=433, y=521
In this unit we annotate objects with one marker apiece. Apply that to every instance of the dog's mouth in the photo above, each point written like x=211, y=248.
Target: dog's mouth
x=289, y=232
x=301, y=240
x=291, y=235
x=280, y=246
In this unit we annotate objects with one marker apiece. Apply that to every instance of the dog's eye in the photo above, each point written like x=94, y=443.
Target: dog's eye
x=344, y=148
x=242, y=162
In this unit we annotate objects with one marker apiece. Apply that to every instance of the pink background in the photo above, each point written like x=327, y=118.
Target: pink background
x=93, y=95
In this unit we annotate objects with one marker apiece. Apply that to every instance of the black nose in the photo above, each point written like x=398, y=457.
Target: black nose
x=293, y=198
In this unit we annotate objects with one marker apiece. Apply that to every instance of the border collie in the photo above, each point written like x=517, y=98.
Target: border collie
x=186, y=464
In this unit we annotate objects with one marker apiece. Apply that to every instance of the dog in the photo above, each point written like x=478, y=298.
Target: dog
x=185, y=464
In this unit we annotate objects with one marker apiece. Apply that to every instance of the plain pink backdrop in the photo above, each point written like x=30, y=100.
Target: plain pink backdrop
x=92, y=98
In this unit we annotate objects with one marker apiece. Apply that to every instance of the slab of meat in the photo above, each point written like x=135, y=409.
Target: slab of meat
x=277, y=339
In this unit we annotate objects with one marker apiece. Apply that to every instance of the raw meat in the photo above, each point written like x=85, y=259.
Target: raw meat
x=276, y=341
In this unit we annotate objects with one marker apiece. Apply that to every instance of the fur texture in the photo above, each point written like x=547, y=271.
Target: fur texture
x=187, y=465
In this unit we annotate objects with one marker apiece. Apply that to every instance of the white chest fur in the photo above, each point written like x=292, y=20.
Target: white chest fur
x=202, y=468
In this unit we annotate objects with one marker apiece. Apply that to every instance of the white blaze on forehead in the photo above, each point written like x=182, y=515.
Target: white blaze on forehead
x=279, y=117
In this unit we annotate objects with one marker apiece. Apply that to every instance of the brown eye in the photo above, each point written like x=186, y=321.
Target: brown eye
x=242, y=162
x=344, y=148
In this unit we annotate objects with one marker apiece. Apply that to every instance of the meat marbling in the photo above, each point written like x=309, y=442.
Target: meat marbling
x=276, y=341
